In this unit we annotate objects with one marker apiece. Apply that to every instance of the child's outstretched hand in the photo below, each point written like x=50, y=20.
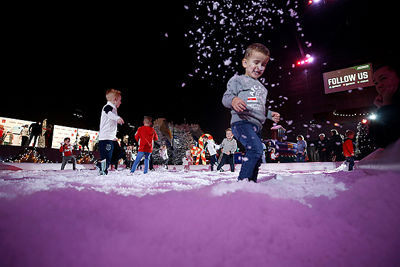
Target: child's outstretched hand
x=275, y=116
x=238, y=104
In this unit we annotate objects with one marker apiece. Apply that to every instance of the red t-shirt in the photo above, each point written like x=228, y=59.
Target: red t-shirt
x=348, y=149
x=145, y=135
x=66, y=150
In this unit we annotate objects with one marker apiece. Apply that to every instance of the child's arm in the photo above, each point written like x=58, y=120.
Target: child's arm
x=221, y=146
x=230, y=99
x=234, y=147
x=108, y=110
x=137, y=135
x=273, y=115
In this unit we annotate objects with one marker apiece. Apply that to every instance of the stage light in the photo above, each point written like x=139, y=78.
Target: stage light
x=310, y=2
x=364, y=121
x=306, y=60
x=372, y=116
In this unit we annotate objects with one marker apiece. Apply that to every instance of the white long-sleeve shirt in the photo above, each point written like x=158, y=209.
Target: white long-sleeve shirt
x=108, y=122
x=212, y=147
x=164, y=154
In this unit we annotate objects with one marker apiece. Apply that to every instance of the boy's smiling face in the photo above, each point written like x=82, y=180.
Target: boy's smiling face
x=229, y=135
x=255, y=64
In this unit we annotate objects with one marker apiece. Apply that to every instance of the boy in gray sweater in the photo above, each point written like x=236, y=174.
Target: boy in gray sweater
x=228, y=146
x=246, y=97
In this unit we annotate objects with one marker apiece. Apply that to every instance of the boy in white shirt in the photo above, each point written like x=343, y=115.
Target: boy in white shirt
x=212, y=150
x=108, y=127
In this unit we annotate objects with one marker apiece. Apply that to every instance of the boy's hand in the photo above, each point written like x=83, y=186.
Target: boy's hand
x=275, y=116
x=238, y=104
x=120, y=121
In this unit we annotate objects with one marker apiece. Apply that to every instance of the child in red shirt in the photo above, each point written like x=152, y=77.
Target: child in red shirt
x=348, y=149
x=66, y=150
x=145, y=135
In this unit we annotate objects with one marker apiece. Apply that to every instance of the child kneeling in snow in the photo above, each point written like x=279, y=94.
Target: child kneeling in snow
x=66, y=150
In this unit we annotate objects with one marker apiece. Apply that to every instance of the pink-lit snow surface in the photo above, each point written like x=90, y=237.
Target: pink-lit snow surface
x=202, y=218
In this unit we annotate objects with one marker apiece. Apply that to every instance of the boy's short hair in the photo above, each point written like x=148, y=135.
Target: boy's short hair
x=228, y=130
x=148, y=118
x=302, y=137
x=67, y=138
x=322, y=134
x=111, y=94
x=256, y=47
x=349, y=132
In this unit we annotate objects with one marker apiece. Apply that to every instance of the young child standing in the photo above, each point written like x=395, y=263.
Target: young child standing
x=228, y=146
x=145, y=135
x=164, y=155
x=108, y=128
x=212, y=150
x=66, y=150
x=348, y=149
x=246, y=97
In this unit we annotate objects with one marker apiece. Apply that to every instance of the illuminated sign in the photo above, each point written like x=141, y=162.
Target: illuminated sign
x=347, y=79
x=10, y=133
x=61, y=132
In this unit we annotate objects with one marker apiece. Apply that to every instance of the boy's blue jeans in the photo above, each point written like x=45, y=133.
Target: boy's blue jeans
x=137, y=161
x=350, y=160
x=248, y=134
x=300, y=157
x=106, y=148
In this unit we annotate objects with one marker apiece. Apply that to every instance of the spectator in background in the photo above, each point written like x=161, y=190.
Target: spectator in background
x=24, y=135
x=84, y=141
x=335, y=145
x=48, y=135
x=385, y=129
x=312, y=151
x=301, y=149
x=35, y=130
x=322, y=146
x=8, y=138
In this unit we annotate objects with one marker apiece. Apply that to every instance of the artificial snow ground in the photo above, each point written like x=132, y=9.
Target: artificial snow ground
x=292, y=217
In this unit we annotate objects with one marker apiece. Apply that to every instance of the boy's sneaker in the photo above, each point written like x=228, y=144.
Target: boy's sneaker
x=221, y=170
x=101, y=167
